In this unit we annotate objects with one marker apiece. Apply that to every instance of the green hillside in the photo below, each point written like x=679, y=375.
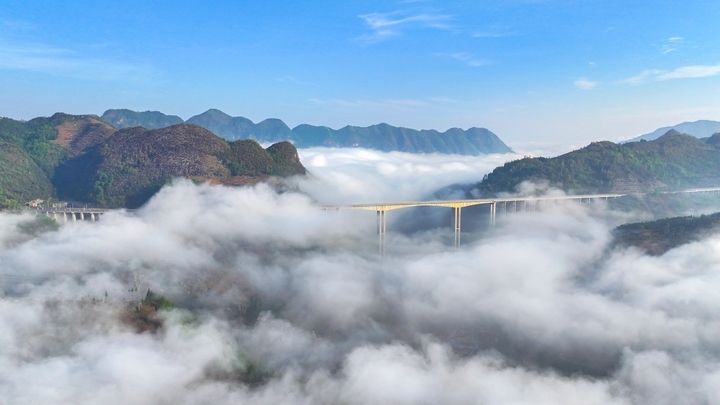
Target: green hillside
x=21, y=179
x=135, y=163
x=673, y=161
x=31, y=150
x=124, y=118
x=83, y=159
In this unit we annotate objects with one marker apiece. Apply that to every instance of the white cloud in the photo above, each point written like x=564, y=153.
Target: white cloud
x=672, y=44
x=585, y=84
x=542, y=309
x=683, y=72
x=387, y=25
x=362, y=175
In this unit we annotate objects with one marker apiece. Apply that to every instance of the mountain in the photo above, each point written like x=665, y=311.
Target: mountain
x=384, y=137
x=698, y=129
x=82, y=158
x=136, y=162
x=124, y=118
x=31, y=150
x=673, y=161
x=232, y=128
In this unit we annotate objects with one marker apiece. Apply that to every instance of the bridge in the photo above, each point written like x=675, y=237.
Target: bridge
x=507, y=205
x=68, y=215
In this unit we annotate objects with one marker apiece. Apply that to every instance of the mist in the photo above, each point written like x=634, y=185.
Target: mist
x=278, y=301
x=357, y=175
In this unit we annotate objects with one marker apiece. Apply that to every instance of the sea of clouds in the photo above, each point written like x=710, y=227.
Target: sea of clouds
x=542, y=309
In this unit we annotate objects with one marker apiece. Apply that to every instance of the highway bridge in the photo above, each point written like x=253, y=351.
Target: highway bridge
x=503, y=205
x=67, y=215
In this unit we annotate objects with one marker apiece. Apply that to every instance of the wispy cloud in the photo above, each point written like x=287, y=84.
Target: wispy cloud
x=17, y=25
x=585, y=84
x=384, y=26
x=64, y=62
x=683, y=72
x=442, y=99
x=291, y=79
x=466, y=58
x=672, y=44
x=492, y=34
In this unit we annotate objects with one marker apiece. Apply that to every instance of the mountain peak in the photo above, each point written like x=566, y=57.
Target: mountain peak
x=698, y=129
x=670, y=133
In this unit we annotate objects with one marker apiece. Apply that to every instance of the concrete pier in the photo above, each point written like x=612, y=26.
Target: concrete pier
x=382, y=228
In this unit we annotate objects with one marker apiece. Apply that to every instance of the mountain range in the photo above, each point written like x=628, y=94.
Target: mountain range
x=698, y=129
x=383, y=137
x=84, y=159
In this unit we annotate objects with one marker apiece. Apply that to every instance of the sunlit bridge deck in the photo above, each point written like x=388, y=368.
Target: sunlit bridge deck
x=505, y=204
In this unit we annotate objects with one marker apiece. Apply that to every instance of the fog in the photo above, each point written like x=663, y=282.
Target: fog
x=360, y=175
x=277, y=301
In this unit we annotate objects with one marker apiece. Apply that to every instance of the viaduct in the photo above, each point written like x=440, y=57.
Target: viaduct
x=505, y=205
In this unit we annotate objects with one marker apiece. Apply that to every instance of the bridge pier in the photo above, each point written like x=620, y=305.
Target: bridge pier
x=382, y=227
x=457, y=215
x=493, y=209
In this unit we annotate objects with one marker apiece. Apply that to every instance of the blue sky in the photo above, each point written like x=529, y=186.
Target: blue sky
x=532, y=71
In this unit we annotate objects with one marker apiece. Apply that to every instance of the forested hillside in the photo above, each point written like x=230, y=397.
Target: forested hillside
x=673, y=161
x=83, y=159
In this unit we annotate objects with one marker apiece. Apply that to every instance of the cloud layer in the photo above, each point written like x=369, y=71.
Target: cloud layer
x=285, y=303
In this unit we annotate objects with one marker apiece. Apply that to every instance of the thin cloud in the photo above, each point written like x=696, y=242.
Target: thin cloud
x=672, y=44
x=683, y=72
x=17, y=25
x=65, y=62
x=492, y=34
x=442, y=99
x=291, y=79
x=465, y=57
x=384, y=26
x=585, y=84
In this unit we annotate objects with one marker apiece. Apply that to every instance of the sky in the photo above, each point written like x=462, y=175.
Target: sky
x=532, y=71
